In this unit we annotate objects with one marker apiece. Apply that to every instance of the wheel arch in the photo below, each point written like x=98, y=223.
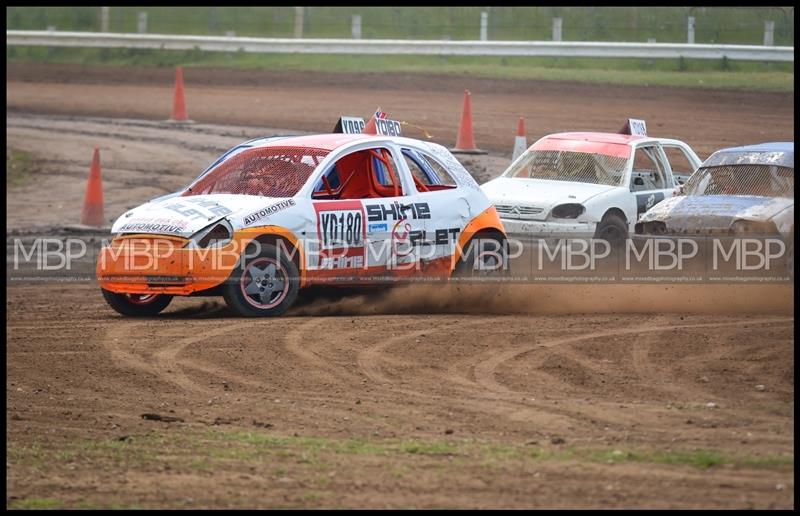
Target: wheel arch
x=280, y=238
x=619, y=212
x=615, y=211
x=487, y=223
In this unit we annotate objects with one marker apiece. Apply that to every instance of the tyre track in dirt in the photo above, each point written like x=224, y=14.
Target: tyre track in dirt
x=373, y=362
x=76, y=171
x=595, y=413
x=490, y=395
x=301, y=341
x=370, y=360
x=646, y=369
x=486, y=371
x=173, y=365
x=141, y=128
x=163, y=363
x=61, y=131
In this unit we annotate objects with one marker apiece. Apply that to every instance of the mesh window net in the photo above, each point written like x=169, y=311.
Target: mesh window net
x=760, y=180
x=571, y=166
x=265, y=171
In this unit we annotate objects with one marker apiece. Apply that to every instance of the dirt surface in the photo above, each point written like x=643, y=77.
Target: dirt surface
x=613, y=382
x=707, y=120
x=552, y=395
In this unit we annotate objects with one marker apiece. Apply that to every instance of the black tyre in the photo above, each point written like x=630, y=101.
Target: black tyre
x=137, y=305
x=264, y=286
x=483, y=257
x=613, y=230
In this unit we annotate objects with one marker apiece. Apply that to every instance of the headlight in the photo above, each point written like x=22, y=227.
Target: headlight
x=752, y=227
x=215, y=235
x=567, y=211
x=654, y=227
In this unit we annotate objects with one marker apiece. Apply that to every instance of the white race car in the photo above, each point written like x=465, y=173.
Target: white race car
x=275, y=215
x=588, y=184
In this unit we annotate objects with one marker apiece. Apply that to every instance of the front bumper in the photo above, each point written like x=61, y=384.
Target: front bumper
x=147, y=264
x=548, y=229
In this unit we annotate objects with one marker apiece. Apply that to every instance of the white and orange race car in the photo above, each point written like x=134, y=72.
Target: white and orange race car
x=275, y=215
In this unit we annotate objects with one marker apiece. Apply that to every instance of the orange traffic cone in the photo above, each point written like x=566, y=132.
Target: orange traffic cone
x=520, y=142
x=93, y=201
x=178, y=102
x=465, y=143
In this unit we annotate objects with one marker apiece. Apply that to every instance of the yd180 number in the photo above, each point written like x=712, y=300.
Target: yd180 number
x=342, y=229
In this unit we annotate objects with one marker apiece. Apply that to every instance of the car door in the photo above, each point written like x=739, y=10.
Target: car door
x=446, y=205
x=681, y=159
x=366, y=219
x=651, y=180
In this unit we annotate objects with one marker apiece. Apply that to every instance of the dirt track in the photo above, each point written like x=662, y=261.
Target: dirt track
x=705, y=119
x=528, y=396
x=598, y=382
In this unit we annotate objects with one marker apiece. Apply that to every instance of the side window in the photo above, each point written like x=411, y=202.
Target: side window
x=648, y=170
x=364, y=174
x=678, y=162
x=445, y=179
x=384, y=168
x=420, y=170
x=428, y=174
x=330, y=178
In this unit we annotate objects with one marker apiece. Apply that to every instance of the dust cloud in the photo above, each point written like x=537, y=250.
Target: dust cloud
x=498, y=299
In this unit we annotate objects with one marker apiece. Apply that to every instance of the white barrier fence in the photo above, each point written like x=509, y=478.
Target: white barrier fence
x=399, y=46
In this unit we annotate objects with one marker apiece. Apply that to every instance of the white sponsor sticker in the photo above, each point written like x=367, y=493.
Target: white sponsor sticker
x=265, y=212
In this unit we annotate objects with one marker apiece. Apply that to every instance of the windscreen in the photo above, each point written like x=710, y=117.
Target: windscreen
x=265, y=171
x=760, y=180
x=581, y=167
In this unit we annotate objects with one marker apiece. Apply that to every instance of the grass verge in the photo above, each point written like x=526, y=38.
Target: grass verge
x=302, y=471
x=731, y=25
x=711, y=74
x=314, y=470
x=212, y=445
x=20, y=165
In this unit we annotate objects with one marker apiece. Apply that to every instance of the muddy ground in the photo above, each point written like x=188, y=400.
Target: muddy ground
x=547, y=395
